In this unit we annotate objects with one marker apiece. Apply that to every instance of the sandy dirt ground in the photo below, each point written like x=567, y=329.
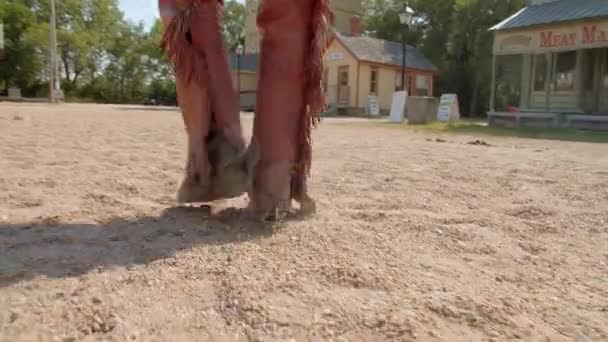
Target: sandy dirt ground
x=418, y=236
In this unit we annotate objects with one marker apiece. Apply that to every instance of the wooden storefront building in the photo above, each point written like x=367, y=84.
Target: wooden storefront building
x=550, y=66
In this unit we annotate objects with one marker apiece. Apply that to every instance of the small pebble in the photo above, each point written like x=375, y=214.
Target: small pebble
x=95, y=328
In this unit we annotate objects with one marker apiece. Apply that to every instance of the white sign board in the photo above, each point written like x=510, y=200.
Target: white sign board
x=1, y=37
x=14, y=93
x=335, y=56
x=448, y=108
x=398, y=106
x=372, y=106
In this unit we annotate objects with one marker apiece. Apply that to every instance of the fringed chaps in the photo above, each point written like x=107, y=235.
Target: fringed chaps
x=314, y=95
x=290, y=96
x=194, y=42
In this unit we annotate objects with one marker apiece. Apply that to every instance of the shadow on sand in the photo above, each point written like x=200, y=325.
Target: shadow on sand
x=58, y=250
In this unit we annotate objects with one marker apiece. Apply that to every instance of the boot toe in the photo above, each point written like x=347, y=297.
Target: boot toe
x=192, y=193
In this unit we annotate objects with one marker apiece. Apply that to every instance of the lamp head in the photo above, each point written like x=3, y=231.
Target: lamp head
x=406, y=14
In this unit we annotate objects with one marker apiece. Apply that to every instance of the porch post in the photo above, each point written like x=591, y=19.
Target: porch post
x=493, y=90
x=548, y=80
x=526, y=81
x=578, y=76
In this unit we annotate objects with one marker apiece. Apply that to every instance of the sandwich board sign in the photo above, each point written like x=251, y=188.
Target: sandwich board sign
x=372, y=106
x=398, y=106
x=448, y=108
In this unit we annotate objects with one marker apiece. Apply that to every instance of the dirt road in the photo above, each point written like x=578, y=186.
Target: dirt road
x=415, y=237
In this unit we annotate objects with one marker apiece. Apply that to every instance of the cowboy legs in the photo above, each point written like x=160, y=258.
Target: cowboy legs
x=193, y=40
x=289, y=98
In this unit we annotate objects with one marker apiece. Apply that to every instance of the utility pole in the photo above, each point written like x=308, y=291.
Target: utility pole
x=239, y=52
x=54, y=80
x=1, y=41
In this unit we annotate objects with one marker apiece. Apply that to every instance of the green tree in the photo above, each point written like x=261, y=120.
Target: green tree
x=234, y=24
x=468, y=70
x=22, y=66
x=381, y=20
x=85, y=28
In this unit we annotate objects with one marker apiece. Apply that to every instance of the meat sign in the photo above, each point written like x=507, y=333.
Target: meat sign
x=558, y=38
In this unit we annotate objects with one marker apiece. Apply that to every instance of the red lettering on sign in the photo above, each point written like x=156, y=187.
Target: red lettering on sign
x=589, y=34
x=549, y=39
x=545, y=39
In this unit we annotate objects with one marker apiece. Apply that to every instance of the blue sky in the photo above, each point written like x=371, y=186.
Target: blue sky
x=138, y=10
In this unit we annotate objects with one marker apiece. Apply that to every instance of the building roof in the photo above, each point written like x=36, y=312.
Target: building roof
x=248, y=62
x=549, y=12
x=384, y=52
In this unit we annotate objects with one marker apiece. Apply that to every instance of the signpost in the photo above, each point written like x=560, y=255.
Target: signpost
x=448, y=108
x=398, y=106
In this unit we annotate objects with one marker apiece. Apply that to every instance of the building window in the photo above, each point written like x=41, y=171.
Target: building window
x=408, y=80
x=343, y=76
x=565, y=68
x=373, y=82
x=540, y=72
x=422, y=85
x=397, y=81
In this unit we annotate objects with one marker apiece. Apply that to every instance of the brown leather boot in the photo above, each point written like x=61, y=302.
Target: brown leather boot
x=194, y=105
x=231, y=170
x=294, y=35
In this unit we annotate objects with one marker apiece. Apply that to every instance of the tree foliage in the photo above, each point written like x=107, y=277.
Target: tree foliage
x=102, y=56
x=234, y=24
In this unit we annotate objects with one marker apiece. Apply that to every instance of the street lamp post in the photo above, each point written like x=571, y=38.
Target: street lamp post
x=239, y=52
x=406, y=14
